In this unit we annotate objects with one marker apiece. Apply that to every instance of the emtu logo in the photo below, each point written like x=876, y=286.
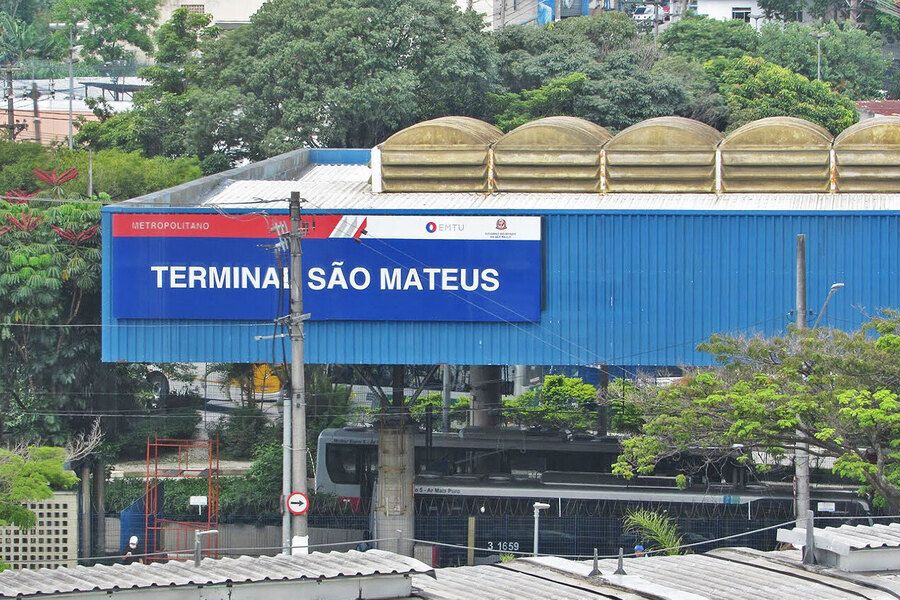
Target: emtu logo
x=431, y=227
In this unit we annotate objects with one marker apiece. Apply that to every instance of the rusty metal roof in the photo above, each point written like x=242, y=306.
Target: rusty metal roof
x=244, y=569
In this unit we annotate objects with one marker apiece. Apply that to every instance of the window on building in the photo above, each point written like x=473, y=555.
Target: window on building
x=741, y=14
x=197, y=9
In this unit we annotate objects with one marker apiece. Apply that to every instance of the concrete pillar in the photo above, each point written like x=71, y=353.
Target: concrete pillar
x=393, y=508
x=84, y=510
x=485, y=384
x=99, y=509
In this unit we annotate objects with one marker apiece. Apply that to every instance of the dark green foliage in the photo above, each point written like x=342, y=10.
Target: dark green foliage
x=52, y=277
x=837, y=389
x=30, y=475
x=562, y=403
x=755, y=89
x=701, y=98
x=533, y=56
x=345, y=74
x=852, y=60
x=702, y=38
x=128, y=441
x=555, y=98
x=241, y=431
x=459, y=410
x=112, y=25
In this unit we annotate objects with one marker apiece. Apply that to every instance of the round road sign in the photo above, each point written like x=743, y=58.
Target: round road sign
x=298, y=503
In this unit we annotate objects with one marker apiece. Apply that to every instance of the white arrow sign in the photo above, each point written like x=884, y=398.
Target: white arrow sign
x=298, y=503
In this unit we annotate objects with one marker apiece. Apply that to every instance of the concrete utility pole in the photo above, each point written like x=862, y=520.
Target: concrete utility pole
x=801, y=454
x=299, y=524
x=602, y=405
x=35, y=96
x=10, y=105
x=445, y=413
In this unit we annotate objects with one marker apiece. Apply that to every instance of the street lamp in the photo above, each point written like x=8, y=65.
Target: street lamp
x=819, y=36
x=80, y=26
x=834, y=287
x=756, y=17
x=538, y=507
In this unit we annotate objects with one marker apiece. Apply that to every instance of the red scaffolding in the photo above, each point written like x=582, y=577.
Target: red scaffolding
x=167, y=539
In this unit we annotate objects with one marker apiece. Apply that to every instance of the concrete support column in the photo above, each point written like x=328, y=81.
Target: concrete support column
x=99, y=510
x=393, y=508
x=84, y=511
x=486, y=407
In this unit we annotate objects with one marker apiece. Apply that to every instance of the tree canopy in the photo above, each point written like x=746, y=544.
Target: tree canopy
x=839, y=390
x=30, y=474
x=852, y=60
x=110, y=26
x=703, y=38
x=755, y=89
x=340, y=73
x=50, y=369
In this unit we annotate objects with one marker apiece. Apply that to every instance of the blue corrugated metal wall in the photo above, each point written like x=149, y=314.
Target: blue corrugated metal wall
x=621, y=288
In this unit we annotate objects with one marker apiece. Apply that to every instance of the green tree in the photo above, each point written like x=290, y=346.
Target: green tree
x=702, y=38
x=340, y=73
x=30, y=475
x=177, y=41
x=702, y=101
x=50, y=285
x=622, y=90
x=20, y=41
x=562, y=403
x=838, y=389
x=852, y=60
x=531, y=57
x=754, y=89
x=555, y=98
x=110, y=25
x=459, y=410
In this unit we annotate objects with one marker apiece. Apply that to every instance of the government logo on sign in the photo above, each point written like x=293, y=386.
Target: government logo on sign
x=431, y=227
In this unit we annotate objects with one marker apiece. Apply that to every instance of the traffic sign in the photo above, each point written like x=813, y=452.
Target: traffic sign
x=298, y=503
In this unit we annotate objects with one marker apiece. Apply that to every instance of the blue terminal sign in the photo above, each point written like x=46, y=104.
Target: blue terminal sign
x=393, y=268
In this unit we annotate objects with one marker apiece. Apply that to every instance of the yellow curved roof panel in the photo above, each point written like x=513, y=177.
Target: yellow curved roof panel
x=777, y=154
x=867, y=156
x=550, y=154
x=447, y=154
x=664, y=154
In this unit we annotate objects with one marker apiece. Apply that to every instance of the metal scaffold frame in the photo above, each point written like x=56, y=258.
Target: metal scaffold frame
x=196, y=459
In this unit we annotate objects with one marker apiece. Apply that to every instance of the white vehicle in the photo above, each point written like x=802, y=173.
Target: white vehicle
x=644, y=14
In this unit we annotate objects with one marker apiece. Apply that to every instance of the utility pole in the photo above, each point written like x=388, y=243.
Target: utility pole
x=37, y=115
x=445, y=412
x=602, y=402
x=71, y=84
x=11, y=125
x=801, y=454
x=299, y=524
x=10, y=104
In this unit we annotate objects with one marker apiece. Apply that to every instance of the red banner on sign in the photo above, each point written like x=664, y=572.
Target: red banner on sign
x=232, y=226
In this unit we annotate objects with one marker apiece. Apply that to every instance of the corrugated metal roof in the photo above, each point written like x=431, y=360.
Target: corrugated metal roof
x=736, y=574
x=729, y=573
x=346, y=188
x=846, y=538
x=245, y=569
x=460, y=583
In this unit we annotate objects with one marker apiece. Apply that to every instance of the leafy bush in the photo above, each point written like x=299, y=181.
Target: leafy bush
x=173, y=423
x=241, y=431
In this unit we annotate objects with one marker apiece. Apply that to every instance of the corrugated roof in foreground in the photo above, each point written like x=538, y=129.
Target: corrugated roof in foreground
x=346, y=188
x=732, y=574
x=244, y=569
